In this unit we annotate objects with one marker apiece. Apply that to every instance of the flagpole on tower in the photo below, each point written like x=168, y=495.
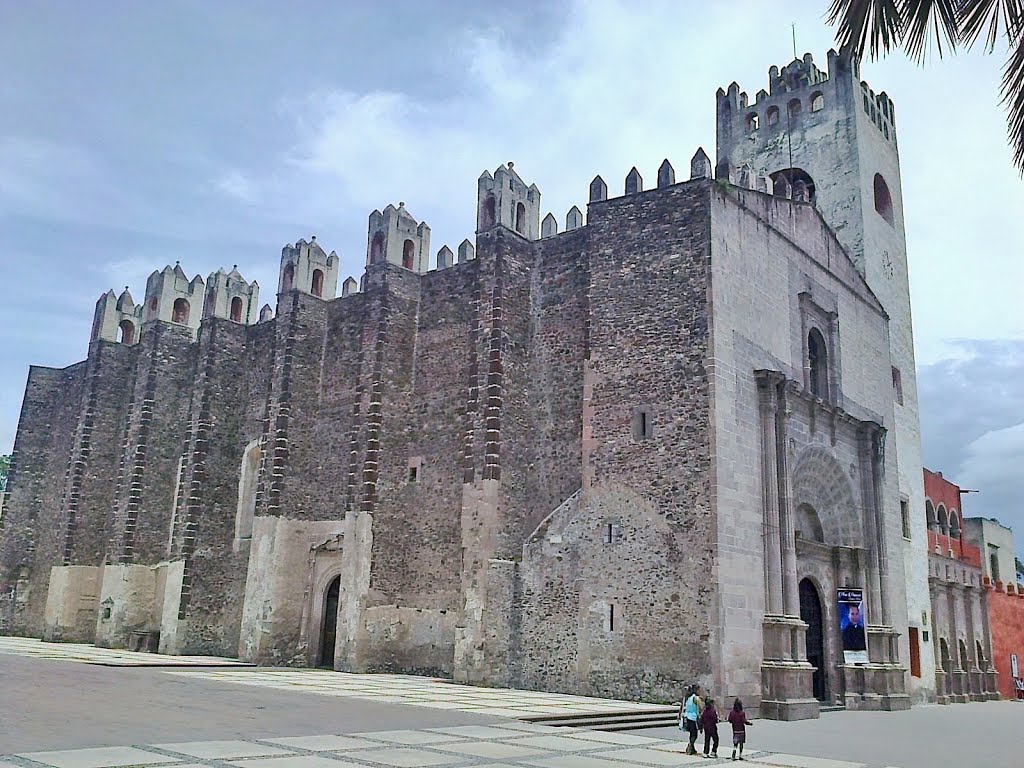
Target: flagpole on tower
x=789, y=117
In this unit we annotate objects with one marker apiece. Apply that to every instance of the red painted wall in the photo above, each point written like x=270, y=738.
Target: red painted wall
x=1006, y=618
x=941, y=491
x=961, y=549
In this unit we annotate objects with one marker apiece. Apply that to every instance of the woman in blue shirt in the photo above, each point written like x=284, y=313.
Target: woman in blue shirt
x=689, y=715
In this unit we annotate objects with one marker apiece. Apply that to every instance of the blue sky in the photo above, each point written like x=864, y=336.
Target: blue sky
x=133, y=135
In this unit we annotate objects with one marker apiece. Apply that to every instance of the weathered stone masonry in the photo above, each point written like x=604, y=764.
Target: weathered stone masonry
x=589, y=461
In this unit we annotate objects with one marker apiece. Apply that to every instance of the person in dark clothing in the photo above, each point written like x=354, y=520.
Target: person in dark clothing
x=739, y=722
x=853, y=632
x=709, y=722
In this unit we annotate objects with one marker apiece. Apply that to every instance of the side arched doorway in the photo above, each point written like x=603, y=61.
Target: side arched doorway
x=812, y=614
x=329, y=630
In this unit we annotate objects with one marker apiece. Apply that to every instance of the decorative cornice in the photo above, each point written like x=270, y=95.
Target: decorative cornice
x=768, y=378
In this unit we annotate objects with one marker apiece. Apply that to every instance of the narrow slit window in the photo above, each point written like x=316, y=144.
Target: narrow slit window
x=415, y=465
x=897, y=384
x=643, y=423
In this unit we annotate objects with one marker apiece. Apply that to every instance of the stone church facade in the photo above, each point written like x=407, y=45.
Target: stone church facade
x=613, y=460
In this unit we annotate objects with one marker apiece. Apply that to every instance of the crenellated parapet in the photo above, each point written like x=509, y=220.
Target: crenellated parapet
x=799, y=96
x=308, y=268
x=230, y=297
x=504, y=200
x=117, y=318
x=879, y=109
x=174, y=298
x=395, y=237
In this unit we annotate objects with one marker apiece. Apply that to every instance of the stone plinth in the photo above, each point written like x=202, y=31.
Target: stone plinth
x=787, y=679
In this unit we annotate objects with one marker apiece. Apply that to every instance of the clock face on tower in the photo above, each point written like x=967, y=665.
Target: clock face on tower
x=887, y=266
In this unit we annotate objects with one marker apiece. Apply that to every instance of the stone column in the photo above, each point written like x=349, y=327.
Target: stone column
x=877, y=501
x=941, y=678
x=770, y=492
x=975, y=683
x=956, y=673
x=990, y=685
x=786, y=676
x=869, y=492
x=790, y=590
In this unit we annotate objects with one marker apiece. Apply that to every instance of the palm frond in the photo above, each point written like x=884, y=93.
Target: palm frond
x=1013, y=98
x=872, y=26
x=976, y=15
x=923, y=18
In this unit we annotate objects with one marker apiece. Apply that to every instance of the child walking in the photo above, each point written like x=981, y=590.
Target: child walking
x=738, y=720
x=709, y=722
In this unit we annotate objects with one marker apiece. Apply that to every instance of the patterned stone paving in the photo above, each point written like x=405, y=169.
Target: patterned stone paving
x=511, y=745
x=418, y=692
x=110, y=657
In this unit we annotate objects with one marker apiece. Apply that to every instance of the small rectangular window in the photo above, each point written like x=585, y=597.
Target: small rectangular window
x=610, y=620
x=905, y=517
x=612, y=532
x=643, y=423
x=897, y=384
x=415, y=464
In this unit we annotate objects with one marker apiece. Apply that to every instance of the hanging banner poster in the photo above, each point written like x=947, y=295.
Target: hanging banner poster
x=851, y=625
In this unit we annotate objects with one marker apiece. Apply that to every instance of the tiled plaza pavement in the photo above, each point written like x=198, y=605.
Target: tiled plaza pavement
x=509, y=745
x=397, y=689
x=113, y=657
x=419, y=692
x=497, y=742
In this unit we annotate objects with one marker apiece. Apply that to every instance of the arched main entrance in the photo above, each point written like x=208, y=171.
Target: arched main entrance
x=811, y=613
x=330, y=623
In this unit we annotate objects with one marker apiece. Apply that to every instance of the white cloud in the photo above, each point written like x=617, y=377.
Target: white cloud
x=994, y=464
x=237, y=185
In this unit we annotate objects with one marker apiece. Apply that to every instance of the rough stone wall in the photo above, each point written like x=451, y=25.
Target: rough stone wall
x=292, y=476
x=545, y=541
x=31, y=511
x=423, y=428
x=298, y=503
x=630, y=616
x=416, y=368
x=89, y=486
x=510, y=445
x=559, y=296
x=213, y=579
x=158, y=422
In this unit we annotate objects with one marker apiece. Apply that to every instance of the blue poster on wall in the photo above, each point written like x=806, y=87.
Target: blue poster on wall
x=851, y=625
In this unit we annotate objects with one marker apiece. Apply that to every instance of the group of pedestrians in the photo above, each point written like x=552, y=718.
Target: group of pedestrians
x=696, y=715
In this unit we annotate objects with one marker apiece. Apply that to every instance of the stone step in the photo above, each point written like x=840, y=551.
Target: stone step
x=624, y=720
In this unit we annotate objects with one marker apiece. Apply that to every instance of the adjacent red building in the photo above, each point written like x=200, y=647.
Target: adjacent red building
x=960, y=629
x=1004, y=599
x=977, y=604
